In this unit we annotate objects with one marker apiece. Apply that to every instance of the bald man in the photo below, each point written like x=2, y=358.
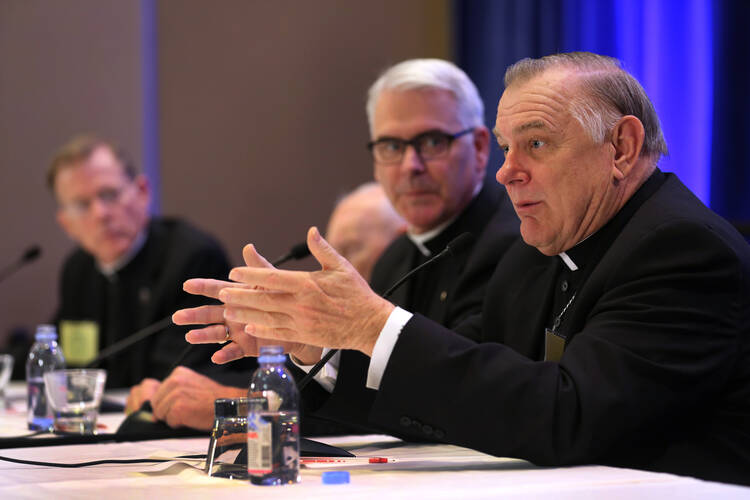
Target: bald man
x=362, y=225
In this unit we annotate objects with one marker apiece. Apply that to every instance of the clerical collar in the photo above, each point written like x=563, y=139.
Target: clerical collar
x=419, y=240
x=109, y=270
x=568, y=261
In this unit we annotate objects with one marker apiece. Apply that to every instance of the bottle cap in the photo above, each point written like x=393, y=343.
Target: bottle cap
x=335, y=477
x=271, y=354
x=46, y=332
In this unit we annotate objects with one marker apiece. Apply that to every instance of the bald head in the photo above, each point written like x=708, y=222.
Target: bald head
x=362, y=225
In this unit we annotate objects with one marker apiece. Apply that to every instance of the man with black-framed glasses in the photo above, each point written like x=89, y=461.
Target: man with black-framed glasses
x=430, y=150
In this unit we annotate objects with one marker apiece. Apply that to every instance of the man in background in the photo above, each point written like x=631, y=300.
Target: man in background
x=430, y=149
x=361, y=226
x=128, y=269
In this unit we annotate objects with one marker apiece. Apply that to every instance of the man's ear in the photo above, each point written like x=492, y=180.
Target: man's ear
x=627, y=140
x=375, y=174
x=482, y=147
x=141, y=183
x=143, y=191
x=65, y=223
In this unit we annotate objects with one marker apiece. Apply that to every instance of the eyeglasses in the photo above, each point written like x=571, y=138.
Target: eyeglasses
x=106, y=196
x=428, y=145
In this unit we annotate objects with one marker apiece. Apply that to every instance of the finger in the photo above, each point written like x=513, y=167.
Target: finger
x=187, y=377
x=271, y=279
x=134, y=400
x=229, y=352
x=323, y=252
x=203, y=315
x=265, y=300
x=161, y=404
x=253, y=259
x=206, y=287
x=140, y=393
x=213, y=334
x=266, y=318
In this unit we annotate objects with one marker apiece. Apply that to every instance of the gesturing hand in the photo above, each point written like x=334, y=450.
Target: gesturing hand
x=223, y=331
x=333, y=307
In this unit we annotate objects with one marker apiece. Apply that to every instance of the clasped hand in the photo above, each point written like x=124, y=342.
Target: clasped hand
x=301, y=311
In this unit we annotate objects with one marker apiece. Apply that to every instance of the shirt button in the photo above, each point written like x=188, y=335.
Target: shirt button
x=405, y=421
x=443, y=296
x=564, y=286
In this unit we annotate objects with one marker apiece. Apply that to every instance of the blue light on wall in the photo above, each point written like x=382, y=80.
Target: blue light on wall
x=667, y=46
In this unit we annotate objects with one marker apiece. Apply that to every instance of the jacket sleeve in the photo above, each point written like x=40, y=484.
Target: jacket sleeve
x=656, y=347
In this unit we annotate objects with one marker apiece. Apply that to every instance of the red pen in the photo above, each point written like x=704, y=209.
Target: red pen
x=337, y=461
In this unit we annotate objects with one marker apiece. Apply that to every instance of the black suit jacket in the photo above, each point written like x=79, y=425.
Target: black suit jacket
x=656, y=372
x=448, y=292
x=452, y=289
x=147, y=289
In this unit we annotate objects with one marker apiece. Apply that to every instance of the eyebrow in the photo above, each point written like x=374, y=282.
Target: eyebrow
x=536, y=124
x=530, y=125
x=393, y=138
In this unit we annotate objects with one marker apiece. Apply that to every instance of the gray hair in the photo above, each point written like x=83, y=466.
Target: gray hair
x=416, y=74
x=608, y=93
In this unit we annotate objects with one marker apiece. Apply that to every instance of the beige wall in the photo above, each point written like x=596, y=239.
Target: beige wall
x=262, y=107
x=260, y=104
x=65, y=67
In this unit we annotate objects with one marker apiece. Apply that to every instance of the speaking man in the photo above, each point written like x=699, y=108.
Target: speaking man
x=616, y=333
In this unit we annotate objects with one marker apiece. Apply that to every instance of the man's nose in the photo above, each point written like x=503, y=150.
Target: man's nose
x=412, y=161
x=511, y=171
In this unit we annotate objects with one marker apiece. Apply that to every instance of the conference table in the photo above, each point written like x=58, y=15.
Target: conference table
x=414, y=471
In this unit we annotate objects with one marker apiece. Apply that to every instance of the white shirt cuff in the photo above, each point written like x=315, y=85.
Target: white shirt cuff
x=327, y=376
x=381, y=353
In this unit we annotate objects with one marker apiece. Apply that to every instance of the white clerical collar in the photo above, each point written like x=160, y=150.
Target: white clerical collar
x=568, y=261
x=566, y=258
x=420, y=239
x=109, y=270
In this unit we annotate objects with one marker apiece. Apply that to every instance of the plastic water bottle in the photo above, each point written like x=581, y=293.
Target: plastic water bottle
x=273, y=422
x=45, y=355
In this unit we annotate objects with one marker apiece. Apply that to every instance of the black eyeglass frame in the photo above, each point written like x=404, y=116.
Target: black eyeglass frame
x=414, y=141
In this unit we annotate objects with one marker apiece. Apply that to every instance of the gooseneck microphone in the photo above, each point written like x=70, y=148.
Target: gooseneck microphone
x=456, y=246
x=141, y=420
x=297, y=252
x=123, y=344
x=31, y=254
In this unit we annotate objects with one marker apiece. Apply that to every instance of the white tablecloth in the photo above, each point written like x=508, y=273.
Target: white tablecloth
x=420, y=471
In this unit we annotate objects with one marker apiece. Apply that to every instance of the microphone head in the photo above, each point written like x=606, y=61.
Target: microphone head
x=31, y=253
x=299, y=251
x=460, y=243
